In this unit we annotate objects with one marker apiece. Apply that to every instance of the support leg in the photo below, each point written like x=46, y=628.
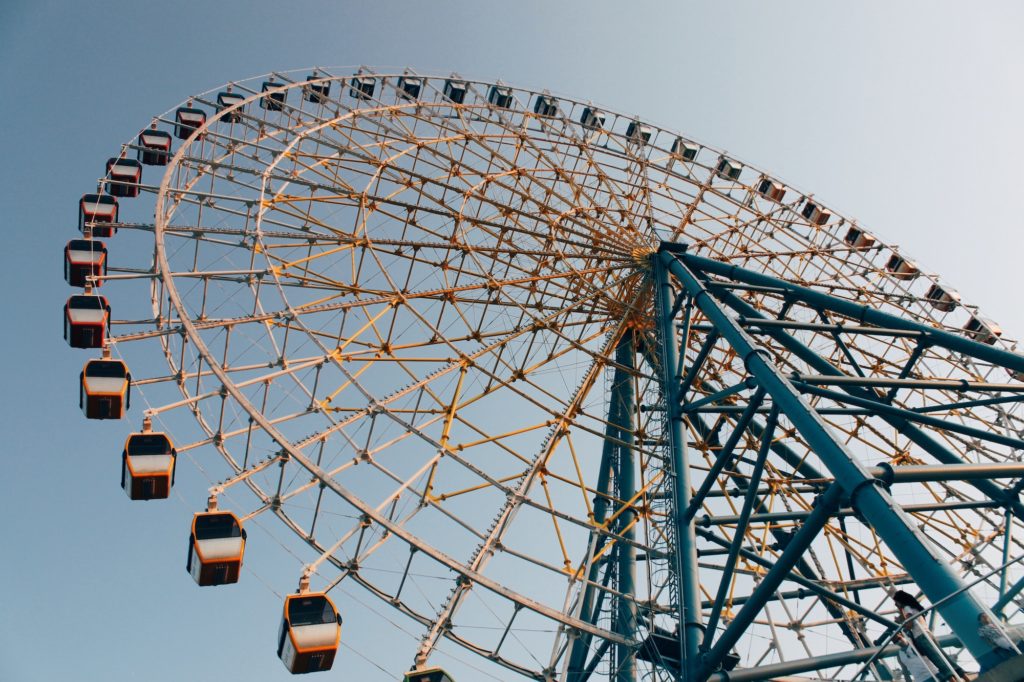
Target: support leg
x=623, y=394
x=912, y=549
x=687, y=575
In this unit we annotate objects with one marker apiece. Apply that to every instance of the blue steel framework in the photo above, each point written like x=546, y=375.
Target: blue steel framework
x=690, y=286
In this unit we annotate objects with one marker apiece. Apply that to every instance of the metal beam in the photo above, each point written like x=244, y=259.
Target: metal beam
x=739, y=534
x=753, y=324
x=782, y=517
x=824, y=662
x=934, y=422
x=893, y=525
x=803, y=567
x=804, y=593
x=923, y=440
x=698, y=362
x=588, y=613
x=947, y=472
x=794, y=575
x=719, y=395
x=856, y=311
x=1008, y=596
x=908, y=366
x=625, y=478
x=687, y=573
x=724, y=456
x=772, y=579
x=946, y=384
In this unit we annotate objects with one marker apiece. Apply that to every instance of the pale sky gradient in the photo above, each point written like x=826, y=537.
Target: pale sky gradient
x=908, y=116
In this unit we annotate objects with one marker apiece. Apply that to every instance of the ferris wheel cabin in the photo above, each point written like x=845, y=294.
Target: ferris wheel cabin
x=86, y=321
x=815, y=214
x=500, y=96
x=273, y=96
x=187, y=120
x=215, y=548
x=362, y=87
x=316, y=92
x=147, y=466
x=727, y=169
x=942, y=298
x=310, y=633
x=101, y=211
x=455, y=91
x=772, y=190
x=638, y=133
x=901, y=268
x=124, y=176
x=545, y=105
x=84, y=258
x=226, y=100
x=858, y=238
x=687, y=151
x=154, y=147
x=592, y=119
x=105, y=389
x=983, y=329
x=409, y=87
x=428, y=675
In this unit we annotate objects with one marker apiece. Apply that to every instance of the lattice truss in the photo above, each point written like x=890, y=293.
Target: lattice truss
x=422, y=333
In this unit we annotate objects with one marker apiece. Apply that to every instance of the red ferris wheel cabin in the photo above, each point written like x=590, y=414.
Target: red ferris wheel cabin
x=84, y=258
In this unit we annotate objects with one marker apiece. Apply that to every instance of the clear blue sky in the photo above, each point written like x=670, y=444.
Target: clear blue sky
x=904, y=115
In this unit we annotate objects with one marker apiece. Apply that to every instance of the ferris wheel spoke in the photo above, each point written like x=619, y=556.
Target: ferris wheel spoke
x=182, y=375
x=502, y=522
x=438, y=498
x=493, y=153
x=451, y=368
x=261, y=379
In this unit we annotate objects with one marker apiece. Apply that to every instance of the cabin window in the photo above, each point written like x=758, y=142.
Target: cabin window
x=215, y=526
x=106, y=369
x=85, y=245
x=87, y=302
x=310, y=611
x=149, y=445
x=228, y=99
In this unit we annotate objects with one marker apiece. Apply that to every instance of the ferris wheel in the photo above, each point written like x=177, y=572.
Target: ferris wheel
x=636, y=408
